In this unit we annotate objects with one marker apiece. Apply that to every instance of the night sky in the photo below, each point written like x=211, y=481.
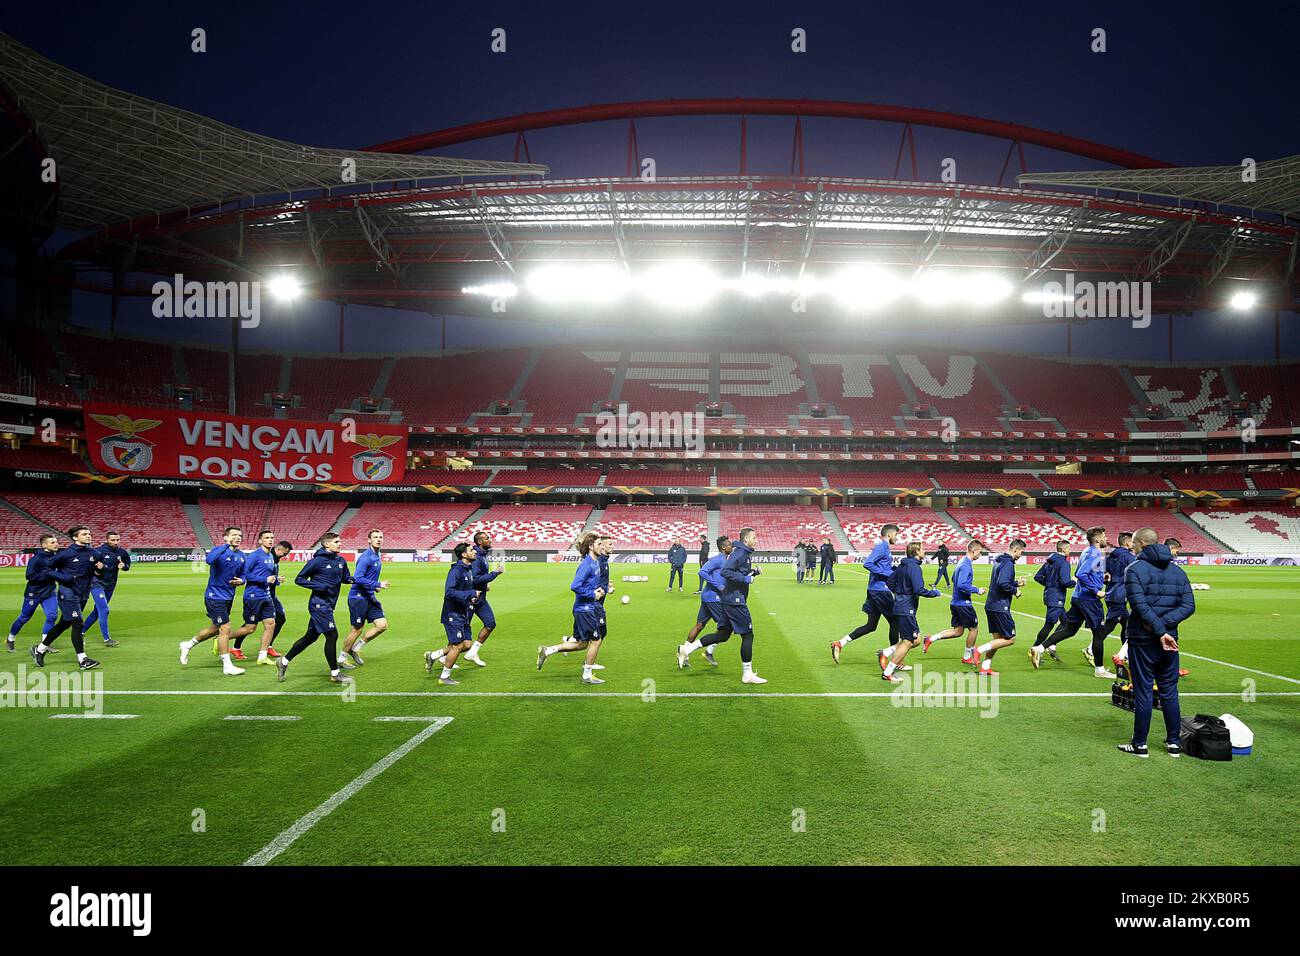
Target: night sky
x=1191, y=83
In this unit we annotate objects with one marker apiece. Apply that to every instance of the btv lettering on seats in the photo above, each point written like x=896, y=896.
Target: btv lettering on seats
x=78, y=909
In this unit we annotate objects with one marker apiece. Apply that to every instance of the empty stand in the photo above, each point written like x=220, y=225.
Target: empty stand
x=1198, y=395
x=766, y=387
x=447, y=390
x=578, y=477
x=862, y=528
x=1275, y=479
x=997, y=527
x=1081, y=396
x=563, y=385
x=300, y=522
x=144, y=522
x=982, y=480
x=1253, y=530
x=543, y=527
x=863, y=387
x=878, y=479
x=658, y=477
x=1107, y=482
x=406, y=525
x=654, y=526
x=1166, y=524
x=779, y=526
x=665, y=381
x=769, y=479
x=324, y=385
x=957, y=386
x=42, y=458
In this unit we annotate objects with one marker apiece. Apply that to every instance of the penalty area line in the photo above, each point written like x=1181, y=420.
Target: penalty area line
x=304, y=823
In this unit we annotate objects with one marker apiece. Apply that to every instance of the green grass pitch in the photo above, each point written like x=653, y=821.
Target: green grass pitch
x=657, y=766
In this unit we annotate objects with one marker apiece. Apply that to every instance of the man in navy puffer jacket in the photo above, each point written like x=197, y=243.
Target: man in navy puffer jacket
x=1159, y=599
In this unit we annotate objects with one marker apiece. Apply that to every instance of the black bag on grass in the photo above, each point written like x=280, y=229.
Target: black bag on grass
x=1206, y=737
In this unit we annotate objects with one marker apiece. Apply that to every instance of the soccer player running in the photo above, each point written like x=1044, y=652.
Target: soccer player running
x=225, y=573
x=908, y=584
x=588, y=613
x=1160, y=598
x=458, y=598
x=1120, y=557
x=738, y=574
x=962, y=618
x=880, y=600
x=1003, y=588
x=113, y=558
x=1054, y=576
x=323, y=576
x=1085, y=604
x=483, y=578
x=711, y=585
x=363, y=598
x=74, y=568
x=41, y=591
x=261, y=574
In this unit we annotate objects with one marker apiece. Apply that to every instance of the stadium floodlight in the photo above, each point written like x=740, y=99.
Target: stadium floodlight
x=496, y=290
x=1045, y=295
x=985, y=288
x=754, y=285
x=1241, y=301
x=599, y=282
x=679, y=284
x=935, y=288
x=862, y=288
x=285, y=288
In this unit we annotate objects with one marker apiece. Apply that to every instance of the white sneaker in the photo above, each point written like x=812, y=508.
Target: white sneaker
x=232, y=671
x=185, y=652
x=598, y=667
x=752, y=678
x=683, y=659
x=593, y=679
x=474, y=659
x=1102, y=672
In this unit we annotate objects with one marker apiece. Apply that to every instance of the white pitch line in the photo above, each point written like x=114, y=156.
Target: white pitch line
x=1208, y=660
x=257, y=717
x=424, y=719
x=286, y=839
x=93, y=716
x=630, y=694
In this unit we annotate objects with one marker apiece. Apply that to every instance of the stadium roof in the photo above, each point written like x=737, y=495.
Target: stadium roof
x=121, y=156
x=1274, y=187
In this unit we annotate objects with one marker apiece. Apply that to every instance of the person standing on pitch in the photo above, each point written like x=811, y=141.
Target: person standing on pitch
x=704, y=555
x=74, y=568
x=588, y=612
x=1159, y=598
x=828, y=557
x=907, y=584
x=42, y=592
x=880, y=600
x=1003, y=587
x=941, y=559
x=738, y=574
x=962, y=618
x=363, y=598
x=800, y=556
x=1054, y=576
x=324, y=575
x=676, y=564
x=483, y=578
x=225, y=569
x=711, y=585
x=458, y=599
x=113, y=558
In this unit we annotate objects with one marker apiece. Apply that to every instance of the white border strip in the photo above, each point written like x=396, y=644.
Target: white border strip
x=286, y=838
x=93, y=716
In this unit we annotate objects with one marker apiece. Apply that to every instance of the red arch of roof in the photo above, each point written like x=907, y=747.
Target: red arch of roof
x=840, y=109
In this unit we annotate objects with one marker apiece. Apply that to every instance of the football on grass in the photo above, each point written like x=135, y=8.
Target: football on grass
x=626, y=599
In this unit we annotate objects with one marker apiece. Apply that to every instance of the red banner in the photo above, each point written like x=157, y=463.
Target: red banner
x=167, y=443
